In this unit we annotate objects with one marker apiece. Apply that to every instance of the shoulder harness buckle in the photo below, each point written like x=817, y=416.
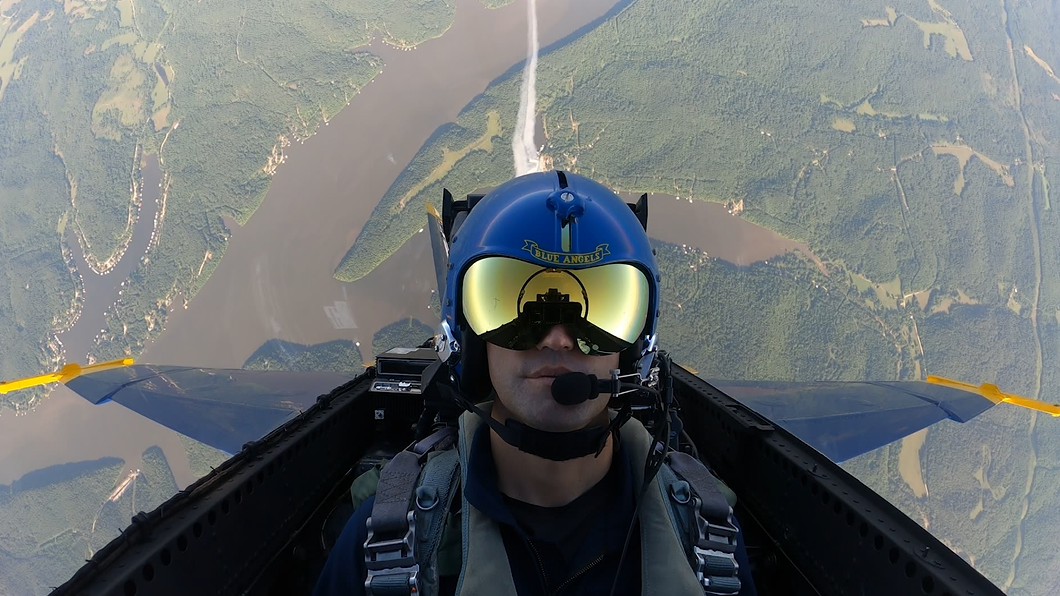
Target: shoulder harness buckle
x=392, y=567
x=390, y=550
x=714, y=548
x=713, y=533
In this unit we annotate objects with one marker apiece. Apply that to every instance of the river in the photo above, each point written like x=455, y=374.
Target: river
x=102, y=291
x=275, y=280
x=711, y=227
x=65, y=427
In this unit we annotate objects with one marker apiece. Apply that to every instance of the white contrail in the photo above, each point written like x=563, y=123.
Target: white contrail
x=524, y=152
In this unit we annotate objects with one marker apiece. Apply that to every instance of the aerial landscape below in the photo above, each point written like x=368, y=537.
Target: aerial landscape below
x=230, y=185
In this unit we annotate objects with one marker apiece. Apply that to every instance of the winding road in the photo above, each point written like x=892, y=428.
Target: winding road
x=1036, y=243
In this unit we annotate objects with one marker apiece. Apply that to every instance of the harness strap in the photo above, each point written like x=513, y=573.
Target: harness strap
x=434, y=497
x=389, y=551
x=409, y=520
x=713, y=533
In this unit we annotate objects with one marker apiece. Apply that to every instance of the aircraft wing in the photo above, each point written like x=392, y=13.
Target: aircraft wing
x=845, y=419
x=224, y=408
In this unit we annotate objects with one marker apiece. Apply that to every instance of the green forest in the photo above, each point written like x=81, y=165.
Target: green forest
x=406, y=333
x=908, y=144
x=338, y=356
x=201, y=457
x=53, y=519
x=775, y=321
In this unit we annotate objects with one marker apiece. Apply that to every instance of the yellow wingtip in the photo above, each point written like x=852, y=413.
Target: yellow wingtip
x=994, y=393
x=68, y=372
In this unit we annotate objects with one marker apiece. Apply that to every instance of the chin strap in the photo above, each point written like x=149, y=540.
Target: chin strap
x=555, y=446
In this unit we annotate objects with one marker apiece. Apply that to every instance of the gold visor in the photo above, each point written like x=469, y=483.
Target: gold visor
x=612, y=298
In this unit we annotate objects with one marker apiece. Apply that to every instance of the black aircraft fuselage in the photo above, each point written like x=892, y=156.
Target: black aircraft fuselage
x=262, y=523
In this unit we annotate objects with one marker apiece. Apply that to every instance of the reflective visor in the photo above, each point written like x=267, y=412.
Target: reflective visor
x=513, y=304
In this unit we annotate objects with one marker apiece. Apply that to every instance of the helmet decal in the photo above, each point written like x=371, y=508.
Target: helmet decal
x=558, y=258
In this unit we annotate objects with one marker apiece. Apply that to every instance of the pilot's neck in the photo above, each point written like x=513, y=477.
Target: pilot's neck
x=544, y=482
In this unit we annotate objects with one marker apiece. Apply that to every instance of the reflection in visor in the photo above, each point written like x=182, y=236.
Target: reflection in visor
x=513, y=303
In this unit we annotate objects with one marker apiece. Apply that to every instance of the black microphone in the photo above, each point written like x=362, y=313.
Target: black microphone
x=573, y=388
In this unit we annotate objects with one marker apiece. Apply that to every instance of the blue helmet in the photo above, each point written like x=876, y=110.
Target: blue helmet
x=543, y=249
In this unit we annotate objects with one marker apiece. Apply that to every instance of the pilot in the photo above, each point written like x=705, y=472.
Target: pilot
x=543, y=493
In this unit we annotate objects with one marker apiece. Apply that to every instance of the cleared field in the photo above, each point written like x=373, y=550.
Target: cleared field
x=963, y=153
x=11, y=33
x=843, y=124
x=125, y=97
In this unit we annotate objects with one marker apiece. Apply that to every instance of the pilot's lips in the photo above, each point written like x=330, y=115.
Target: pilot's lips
x=549, y=371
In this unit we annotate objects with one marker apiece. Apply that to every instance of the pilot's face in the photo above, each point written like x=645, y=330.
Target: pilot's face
x=523, y=381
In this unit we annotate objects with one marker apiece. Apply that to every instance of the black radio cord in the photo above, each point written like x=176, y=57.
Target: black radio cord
x=656, y=455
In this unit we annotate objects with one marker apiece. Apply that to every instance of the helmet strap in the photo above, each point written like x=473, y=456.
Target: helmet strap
x=555, y=446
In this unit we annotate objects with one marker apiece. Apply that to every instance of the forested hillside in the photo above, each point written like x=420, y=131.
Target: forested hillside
x=52, y=520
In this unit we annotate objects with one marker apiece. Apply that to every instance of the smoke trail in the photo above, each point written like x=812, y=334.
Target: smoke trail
x=524, y=152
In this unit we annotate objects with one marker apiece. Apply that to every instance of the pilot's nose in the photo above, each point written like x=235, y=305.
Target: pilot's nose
x=557, y=338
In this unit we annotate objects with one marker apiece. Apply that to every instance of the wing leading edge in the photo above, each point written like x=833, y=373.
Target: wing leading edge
x=224, y=408
x=845, y=419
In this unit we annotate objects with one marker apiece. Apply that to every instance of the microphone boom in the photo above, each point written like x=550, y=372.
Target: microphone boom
x=573, y=388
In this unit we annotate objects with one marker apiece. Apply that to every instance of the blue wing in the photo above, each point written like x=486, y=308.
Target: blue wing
x=224, y=408
x=845, y=419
